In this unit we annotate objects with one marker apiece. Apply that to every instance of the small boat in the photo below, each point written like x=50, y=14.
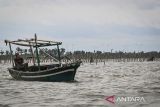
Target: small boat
x=38, y=72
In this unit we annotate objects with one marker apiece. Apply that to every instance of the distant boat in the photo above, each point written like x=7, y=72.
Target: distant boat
x=151, y=59
x=38, y=72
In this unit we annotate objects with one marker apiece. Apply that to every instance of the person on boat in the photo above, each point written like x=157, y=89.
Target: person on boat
x=19, y=62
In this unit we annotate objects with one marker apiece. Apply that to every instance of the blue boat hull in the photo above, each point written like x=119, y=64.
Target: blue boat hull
x=64, y=73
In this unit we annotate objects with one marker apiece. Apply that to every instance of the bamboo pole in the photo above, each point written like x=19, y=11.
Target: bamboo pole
x=32, y=54
x=49, y=55
x=59, y=57
x=11, y=54
x=37, y=55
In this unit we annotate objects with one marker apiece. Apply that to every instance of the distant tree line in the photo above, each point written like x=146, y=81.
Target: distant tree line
x=84, y=55
x=112, y=55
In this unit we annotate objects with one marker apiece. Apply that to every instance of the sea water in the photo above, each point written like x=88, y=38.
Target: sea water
x=92, y=86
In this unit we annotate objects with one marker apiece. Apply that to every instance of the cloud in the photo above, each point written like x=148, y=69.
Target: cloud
x=114, y=23
x=104, y=12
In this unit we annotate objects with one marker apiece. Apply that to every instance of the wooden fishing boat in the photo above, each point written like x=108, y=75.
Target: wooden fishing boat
x=38, y=72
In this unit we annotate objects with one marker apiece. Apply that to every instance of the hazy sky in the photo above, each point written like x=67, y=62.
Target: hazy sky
x=89, y=25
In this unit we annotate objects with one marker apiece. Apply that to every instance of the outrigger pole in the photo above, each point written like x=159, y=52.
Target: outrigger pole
x=37, y=55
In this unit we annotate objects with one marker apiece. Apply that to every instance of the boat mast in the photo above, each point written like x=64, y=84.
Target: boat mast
x=32, y=53
x=59, y=57
x=37, y=55
x=11, y=54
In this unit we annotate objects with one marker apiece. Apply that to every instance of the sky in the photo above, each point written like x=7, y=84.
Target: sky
x=126, y=25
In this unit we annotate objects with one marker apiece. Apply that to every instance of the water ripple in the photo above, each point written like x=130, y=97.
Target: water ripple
x=93, y=83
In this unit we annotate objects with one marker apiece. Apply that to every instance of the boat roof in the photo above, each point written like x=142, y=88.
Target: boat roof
x=31, y=42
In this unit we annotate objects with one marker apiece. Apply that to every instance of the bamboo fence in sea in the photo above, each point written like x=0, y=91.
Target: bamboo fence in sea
x=93, y=57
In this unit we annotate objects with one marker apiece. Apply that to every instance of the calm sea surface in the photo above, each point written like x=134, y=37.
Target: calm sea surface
x=93, y=84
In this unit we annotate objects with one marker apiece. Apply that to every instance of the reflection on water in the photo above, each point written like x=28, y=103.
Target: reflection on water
x=93, y=83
